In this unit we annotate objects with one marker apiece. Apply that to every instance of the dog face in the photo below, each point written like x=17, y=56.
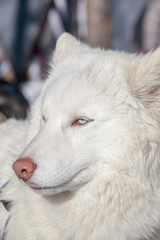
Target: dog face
x=92, y=115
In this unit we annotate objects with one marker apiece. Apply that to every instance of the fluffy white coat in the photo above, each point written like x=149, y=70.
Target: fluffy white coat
x=94, y=135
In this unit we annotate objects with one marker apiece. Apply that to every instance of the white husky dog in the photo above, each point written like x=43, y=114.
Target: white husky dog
x=89, y=163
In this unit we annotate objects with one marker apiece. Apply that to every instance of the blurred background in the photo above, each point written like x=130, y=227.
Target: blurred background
x=29, y=30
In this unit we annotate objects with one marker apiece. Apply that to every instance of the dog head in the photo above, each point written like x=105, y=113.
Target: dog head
x=96, y=113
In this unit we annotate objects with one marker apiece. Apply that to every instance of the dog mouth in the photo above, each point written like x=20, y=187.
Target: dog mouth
x=47, y=190
x=36, y=187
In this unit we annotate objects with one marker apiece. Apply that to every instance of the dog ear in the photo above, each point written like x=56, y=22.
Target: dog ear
x=66, y=44
x=144, y=81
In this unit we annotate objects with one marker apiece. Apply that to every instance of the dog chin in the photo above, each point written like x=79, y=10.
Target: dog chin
x=72, y=185
x=49, y=191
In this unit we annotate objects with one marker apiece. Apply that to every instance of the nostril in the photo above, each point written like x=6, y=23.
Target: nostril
x=24, y=171
x=24, y=168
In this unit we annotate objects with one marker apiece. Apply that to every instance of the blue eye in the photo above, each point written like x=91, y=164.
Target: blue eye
x=81, y=121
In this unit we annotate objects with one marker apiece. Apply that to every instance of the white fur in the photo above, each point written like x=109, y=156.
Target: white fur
x=102, y=179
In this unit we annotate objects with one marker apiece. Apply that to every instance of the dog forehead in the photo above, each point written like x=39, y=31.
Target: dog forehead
x=72, y=91
x=86, y=78
x=88, y=81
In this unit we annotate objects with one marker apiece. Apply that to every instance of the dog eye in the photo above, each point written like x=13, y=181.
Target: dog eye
x=80, y=122
x=44, y=119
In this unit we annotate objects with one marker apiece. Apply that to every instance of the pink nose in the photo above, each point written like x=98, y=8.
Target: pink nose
x=24, y=168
